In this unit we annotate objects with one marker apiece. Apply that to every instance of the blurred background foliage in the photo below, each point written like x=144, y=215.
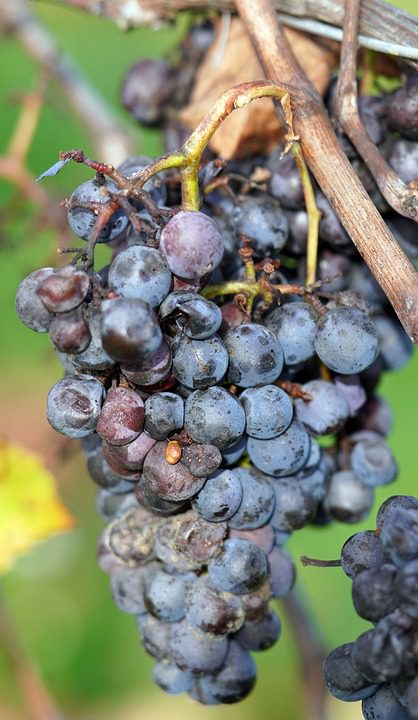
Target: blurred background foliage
x=88, y=652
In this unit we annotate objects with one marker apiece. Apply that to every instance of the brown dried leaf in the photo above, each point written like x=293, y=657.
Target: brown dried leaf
x=255, y=128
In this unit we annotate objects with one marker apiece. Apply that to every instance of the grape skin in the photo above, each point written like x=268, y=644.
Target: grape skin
x=191, y=245
x=346, y=340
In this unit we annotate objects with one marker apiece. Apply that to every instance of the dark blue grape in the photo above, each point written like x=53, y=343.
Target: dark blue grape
x=403, y=158
x=327, y=410
x=395, y=345
x=282, y=572
x=392, y=505
x=141, y=273
x=199, y=363
x=130, y=329
x=197, y=317
x=293, y=508
x=164, y=596
x=240, y=568
x=294, y=324
x=234, y=452
x=233, y=682
x=164, y=414
x=127, y=588
x=260, y=634
x=282, y=455
x=372, y=462
x=214, y=416
x=155, y=636
x=285, y=182
x=82, y=219
x=346, y=340
x=95, y=356
x=383, y=706
x=342, y=678
x=74, y=405
x=268, y=410
x=213, y=611
x=220, y=497
x=168, y=676
x=348, y=499
x=262, y=220
x=399, y=535
x=196, y=651
x=257, y=502
x=255, y=355
x=373, y=592
x=362, y=551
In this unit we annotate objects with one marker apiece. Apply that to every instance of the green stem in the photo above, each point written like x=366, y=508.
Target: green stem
x=314, y=215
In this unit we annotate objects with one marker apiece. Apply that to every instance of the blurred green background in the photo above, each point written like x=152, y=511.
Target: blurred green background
x=86, y=650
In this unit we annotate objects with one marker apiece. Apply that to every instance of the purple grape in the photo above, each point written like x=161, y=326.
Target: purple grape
x=191, y=245
x=29, y=307
x=151, y=370
x=64, y=290
x=122, y=416
x=170, y=482
x=69, y=332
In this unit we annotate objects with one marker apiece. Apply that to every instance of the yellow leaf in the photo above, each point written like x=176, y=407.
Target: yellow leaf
x=30, y=509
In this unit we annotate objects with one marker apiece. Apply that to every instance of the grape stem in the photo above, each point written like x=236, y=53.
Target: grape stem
x=320, y=17
x=39, y=704
x=401, y=196
x=311, y=654
x=330, y=167
x=314, y=215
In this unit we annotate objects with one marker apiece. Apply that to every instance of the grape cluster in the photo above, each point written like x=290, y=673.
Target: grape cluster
x=381, y=666
x=201, y=377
